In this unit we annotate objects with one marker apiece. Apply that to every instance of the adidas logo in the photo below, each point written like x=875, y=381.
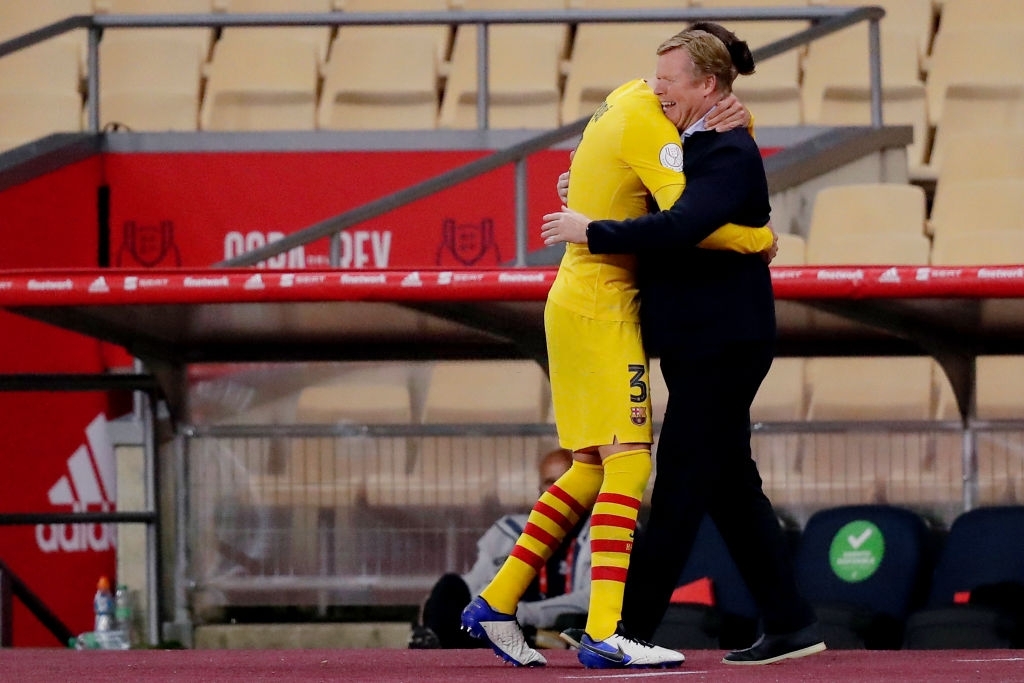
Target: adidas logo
x=99, y=285
x=412, y=280
x=90, y=485
x=891, y=275
x=254, y=282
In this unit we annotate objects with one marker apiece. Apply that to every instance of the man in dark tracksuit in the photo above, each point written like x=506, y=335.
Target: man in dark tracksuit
x=710, y=317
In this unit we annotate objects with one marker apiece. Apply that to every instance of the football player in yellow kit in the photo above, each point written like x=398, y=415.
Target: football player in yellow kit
x=629, y=152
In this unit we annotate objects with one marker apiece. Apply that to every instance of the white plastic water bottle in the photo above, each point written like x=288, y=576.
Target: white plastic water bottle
x=103, y=607
x=123, y=613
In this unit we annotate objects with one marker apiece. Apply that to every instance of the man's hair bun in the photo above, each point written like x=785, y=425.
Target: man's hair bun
x=739, y=51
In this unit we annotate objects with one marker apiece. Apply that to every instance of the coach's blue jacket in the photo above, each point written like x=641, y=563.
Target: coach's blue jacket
x=692, y=298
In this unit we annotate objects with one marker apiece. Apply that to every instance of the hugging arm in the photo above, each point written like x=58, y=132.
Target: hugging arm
x=714, y=197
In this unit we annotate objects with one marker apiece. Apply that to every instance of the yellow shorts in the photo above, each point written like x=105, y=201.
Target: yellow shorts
x=599, y=380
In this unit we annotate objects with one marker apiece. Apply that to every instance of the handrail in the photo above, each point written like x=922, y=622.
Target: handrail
x=11, y=584
x=824, y=20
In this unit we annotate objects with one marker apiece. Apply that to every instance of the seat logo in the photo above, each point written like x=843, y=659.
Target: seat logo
x=856, y=551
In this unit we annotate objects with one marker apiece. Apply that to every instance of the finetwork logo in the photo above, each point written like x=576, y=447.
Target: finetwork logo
x=90, y=485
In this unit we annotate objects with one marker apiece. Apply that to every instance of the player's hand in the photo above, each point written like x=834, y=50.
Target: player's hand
x=771, y=252
x=564, y=226
x=563, y=187
x=563, y=182
x=728, y=114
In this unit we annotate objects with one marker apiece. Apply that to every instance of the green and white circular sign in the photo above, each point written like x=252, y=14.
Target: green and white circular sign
x=856, y=551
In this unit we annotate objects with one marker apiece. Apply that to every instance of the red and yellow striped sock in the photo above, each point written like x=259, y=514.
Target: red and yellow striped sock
x=555, y=513
x=611, y=537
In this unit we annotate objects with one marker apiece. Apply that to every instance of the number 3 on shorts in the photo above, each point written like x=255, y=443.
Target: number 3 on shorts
x=638, y=383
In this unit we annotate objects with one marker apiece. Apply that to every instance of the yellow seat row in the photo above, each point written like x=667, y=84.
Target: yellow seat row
x=541, y=76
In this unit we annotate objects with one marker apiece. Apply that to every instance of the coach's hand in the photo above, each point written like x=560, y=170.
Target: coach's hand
x=564, y=226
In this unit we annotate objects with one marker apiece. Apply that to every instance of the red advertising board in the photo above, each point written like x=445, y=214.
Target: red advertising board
x=54, y=450
x=196, y=209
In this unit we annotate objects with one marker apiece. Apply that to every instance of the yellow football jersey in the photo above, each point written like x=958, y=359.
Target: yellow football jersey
x=628, y=149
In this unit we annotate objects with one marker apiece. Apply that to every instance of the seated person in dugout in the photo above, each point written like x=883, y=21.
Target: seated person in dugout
x=562, y=587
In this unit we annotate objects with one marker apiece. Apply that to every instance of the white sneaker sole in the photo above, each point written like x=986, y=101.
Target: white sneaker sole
x=795, y=654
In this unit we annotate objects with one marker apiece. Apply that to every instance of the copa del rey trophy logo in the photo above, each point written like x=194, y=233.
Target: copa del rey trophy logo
x=467, y=244
x=148, y=245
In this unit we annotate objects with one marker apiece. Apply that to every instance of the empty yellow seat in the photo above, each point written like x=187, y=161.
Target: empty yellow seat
x=261, y=85
x=524, y=70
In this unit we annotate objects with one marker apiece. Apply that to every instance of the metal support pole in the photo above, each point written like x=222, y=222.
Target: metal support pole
x=522, y=223
x=482, y=83
x=875, y=67
x=92, y=97
x=151, y=483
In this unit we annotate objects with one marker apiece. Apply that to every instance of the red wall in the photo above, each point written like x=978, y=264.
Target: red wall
x=51, y=222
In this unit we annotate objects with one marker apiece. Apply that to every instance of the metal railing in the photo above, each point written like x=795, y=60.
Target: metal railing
x=823, y=21
x=143, y=385
x=12, y=586
x=328, y=514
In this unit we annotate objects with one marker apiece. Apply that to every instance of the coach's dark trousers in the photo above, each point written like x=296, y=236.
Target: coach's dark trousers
x=704, y=465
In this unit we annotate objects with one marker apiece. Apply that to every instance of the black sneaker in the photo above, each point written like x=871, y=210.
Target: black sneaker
x=573, y=636
x=423, y=638
x=775, y=648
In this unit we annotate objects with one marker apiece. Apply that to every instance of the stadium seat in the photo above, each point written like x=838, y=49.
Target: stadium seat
x=979, y=155
x=486, y=391
x=21, y=16
x=979, y=247
x=988, y=14
x=865, y=209
x=150, y=82
x=871, y=388
x=441, y=33
x=202, y=37
x=781, y=395
x=370, y=401
x=1000, y=479
x=261, y=85
x=901, y=106
x=151, y=78
x=39, y=93
x=956, y=60
x=864, y=568
x=604, y=56
x=792, y=250
x=27, y=116
x=836, y=84
x=977, y=594
x=972, y=109
x=369, y=85
x=524, y=70
x=772, y=92
x=916, y=17
x=842, y=59
x=319, y=37
x=976, y=206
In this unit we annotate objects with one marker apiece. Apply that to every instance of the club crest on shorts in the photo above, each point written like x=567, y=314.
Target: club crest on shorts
x=638, y=415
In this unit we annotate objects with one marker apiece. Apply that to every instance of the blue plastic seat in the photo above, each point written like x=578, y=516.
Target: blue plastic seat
x=864, y=568
x=977, y=595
